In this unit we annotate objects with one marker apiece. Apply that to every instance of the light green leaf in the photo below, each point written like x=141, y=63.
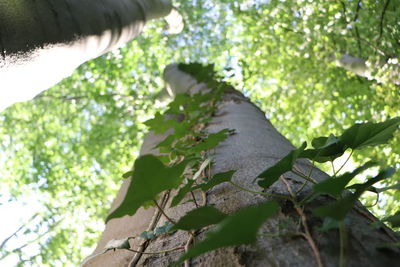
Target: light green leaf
x=212, y=140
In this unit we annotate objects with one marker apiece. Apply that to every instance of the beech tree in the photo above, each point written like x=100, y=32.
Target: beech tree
x=65, y=151
x=318, y=221
x=55, y=37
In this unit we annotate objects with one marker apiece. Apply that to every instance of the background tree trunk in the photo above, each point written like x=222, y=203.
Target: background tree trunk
x=360, y=67
x=255, y=146
x=53, y=37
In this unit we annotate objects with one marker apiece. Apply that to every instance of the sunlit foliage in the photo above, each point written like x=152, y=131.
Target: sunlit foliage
x=67, y=148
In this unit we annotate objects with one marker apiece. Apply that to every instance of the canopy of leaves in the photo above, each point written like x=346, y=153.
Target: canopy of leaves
x=67, y=149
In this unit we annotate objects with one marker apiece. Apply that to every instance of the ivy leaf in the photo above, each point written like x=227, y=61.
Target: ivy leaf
x=159, y=125
x=327, y=152
x=182, y=193
x=394, y=220
x=212, y=140
x=217, y=179
x=272, y=174
x=369, y=134
x=395, y=186
x=118, y=244
x=199, y=218
x=335, y=186
x=127, y=174
x=237, y=229
x=147, y=235
x=338, y=209
x=165, y=228
x=321, y=142
x=150, y=178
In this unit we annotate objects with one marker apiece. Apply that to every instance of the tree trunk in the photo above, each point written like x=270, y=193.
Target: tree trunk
x=255, y=146
x=56, y=36
x=378, y=72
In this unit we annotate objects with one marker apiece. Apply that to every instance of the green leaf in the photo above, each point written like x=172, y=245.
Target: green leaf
x=395, y=186
x=182, y=193
x=159, y=125
x=212, y=140
x=147, y=235
x=339, y=209
x=199, y=218
x=127, y=174
x=394, y=220
x=272, y=174
x=325, y=153
x=369, y=134
x=165, y=228
x=237, y=229
x=321, y=142
x=150, y=178
x=217, y=179
x=335, y=186
x=118, y=244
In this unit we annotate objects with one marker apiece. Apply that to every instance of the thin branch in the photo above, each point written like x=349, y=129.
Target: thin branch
x=163, y=213
x=307, y=234
x=381, y=22
x=356, y=28
x=260, y=193
x=17, y=231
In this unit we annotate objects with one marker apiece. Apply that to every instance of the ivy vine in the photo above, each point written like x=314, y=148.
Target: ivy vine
x=184, y=166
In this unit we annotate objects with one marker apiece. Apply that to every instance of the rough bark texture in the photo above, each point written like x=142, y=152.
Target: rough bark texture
x=56, y=36
x=255, y=146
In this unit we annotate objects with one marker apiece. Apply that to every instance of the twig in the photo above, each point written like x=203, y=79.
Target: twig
x=306, y=234
x=259, y=193
x=356, y=28
x=381, y=22
x=163, y=213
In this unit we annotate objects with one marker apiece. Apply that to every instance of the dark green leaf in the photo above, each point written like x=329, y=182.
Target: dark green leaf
x=150, y=178
x=127, y=174
x=325, y=153
x=335, y=186
x=369, y=134
x=182, y=193
x=199, y=218
x=395, y=187
x=272, y=174
x=321, y=142
x=339, y=209
x=237, y=229
x=217, y=179
x=394, y=220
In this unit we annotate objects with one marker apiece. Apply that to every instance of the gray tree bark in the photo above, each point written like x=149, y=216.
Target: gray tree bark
x=360, y=67
x=255, y=146
x=43, y=41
